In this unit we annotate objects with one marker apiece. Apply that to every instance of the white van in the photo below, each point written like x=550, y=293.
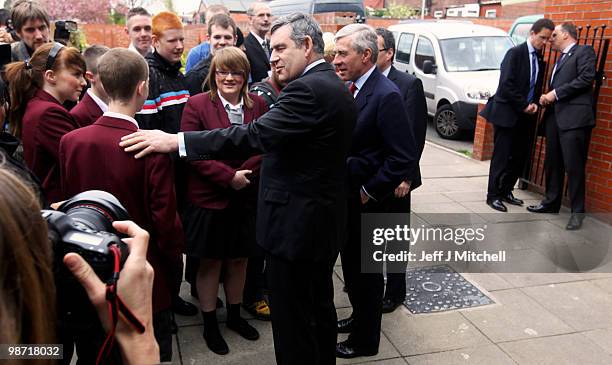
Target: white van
x=458, y=63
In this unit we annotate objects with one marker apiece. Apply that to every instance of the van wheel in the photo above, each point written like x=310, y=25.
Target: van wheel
x=446, y=122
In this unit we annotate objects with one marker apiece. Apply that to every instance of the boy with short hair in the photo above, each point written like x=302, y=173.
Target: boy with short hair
x=145, y=187
x=95, y=101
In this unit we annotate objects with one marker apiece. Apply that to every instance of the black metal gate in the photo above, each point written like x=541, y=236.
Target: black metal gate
x=533, y=174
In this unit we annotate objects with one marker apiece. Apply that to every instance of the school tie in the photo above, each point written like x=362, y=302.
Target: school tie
x=266, y=46
x=234, y=115
x=532, y=81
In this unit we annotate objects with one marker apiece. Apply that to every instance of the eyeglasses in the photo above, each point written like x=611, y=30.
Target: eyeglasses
x=223, y=73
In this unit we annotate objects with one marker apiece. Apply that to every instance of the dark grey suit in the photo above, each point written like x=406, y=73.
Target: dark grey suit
x=259, y=60
x=569, y=122
x=511, y=125
x=301, y=215
x=412, y=92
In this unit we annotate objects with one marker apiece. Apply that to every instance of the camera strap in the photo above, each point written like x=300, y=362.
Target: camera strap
x=116, y=305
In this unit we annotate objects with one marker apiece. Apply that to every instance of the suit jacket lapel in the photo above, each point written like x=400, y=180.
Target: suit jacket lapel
x=367, y=89
x=258, y=46
x=223, y=119
x=566, y=58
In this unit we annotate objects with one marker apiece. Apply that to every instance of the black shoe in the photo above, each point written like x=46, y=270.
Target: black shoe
x=497, y=205
x=346, y=350
x=510, y=199
x=575, y=222
x=243, y=328
x=541, y=208
x=179, y=306
x=215, y=342
x=219, y=303
x=389, y=305
x=346, y=325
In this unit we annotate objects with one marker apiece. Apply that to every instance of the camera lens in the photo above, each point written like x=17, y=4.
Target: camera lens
x=94, y=210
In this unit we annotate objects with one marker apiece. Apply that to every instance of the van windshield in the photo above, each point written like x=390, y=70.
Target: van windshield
x=474, y=53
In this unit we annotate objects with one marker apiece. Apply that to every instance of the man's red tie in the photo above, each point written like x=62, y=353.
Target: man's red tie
x=353, y=88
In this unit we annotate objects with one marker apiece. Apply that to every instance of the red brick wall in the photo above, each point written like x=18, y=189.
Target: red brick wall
x=112, y=35
x=599, y=166
x=483, y=138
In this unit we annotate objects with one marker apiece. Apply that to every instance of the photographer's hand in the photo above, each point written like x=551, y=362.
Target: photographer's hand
x=135, y=287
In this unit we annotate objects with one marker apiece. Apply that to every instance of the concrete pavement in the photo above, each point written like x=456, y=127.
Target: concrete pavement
x=545, y=318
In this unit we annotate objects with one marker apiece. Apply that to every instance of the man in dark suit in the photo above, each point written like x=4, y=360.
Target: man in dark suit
x=95, y=101
x=412, y=92
x=301, y=216
x=569, y=122
x=512, y=112
x=91, y=160
x=256, y=45
x=382, y=156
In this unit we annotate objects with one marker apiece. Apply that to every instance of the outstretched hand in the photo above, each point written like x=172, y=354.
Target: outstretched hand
x=135, y=288
x=149, y=141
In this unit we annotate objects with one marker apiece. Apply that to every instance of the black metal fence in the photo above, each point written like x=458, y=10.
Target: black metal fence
x=594, y=36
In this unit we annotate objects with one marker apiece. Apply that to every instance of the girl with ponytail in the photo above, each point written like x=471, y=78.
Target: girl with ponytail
x=37, y=90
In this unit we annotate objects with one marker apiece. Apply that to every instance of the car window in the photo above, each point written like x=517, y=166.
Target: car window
x=474, y=53
x=521, y=32
x=404, y=47
x=424, y=51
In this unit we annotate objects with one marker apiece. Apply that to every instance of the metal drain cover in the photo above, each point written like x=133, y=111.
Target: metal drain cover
x=440, y=288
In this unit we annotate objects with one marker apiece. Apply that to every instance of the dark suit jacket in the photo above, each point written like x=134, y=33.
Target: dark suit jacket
x=305, y=139
x=383, y=151
x=506, y=107
x=208, y=182
x=86, y=112
x=260, y=62
x=44, y=123
x=92, y=159
x=573, y=83
x=412, y=91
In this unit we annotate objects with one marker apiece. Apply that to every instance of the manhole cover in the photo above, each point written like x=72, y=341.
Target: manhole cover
x=440, y=288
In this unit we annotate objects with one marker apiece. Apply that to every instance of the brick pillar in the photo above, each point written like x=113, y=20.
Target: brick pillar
x=483, y=138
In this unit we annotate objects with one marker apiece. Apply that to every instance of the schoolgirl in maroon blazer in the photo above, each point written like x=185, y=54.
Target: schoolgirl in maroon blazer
x=38, y=88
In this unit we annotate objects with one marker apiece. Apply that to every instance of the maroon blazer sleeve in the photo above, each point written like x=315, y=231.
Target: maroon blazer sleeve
x=198, y=120
x=57, y=122
x=162, y=198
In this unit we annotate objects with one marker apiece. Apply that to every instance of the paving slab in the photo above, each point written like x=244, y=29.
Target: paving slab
x=602, y=337
x=488, y=281
x=515, y=317
x=482, y=355
x=422, y=334
x=520, y=280
x=568, y=349
x=428, y=198
x=604, y=284
x=194, y=349
x=581, y=305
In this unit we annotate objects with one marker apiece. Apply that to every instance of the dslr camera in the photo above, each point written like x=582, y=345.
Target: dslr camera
x=83, y=224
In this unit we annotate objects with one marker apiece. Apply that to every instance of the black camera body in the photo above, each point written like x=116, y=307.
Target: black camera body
x=70, y=235
x=63, y=28
x=83, y=224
